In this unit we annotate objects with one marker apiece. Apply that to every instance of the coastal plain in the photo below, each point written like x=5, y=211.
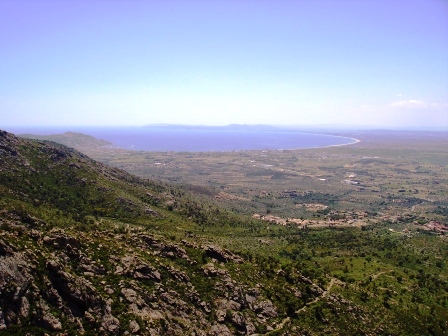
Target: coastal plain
x=386, y=175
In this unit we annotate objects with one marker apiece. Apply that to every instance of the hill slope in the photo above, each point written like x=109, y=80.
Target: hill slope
x=88, y=249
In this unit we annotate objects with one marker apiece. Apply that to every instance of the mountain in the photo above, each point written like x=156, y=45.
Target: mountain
x=89, y=249
x=78, y=254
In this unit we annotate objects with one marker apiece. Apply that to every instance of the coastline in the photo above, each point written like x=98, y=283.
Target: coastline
x=355, y=141
x=351, y=143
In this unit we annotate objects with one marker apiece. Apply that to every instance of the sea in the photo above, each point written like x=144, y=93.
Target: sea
x=198, y=139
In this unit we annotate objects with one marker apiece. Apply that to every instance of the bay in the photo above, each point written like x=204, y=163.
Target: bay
x=201, y=138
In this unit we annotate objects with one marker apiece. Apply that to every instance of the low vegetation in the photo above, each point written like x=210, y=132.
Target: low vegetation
x=90, y=249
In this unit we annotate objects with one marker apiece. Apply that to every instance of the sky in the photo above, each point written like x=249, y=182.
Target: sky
x=373, y=63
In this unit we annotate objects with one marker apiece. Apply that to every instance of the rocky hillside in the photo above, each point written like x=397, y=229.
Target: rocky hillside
x=88, y=249
x=68, y=263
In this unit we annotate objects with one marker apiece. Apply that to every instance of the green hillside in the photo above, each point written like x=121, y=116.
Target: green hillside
x=89, y=249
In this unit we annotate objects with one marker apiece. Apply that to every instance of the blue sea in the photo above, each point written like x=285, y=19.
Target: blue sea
x=199, y=139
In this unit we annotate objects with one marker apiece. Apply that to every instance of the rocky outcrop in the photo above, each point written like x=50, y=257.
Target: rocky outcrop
x=60, y=240
x=164, y=249
x=221, y=255
x=265, y=308
x=220, y=330
x=135, y=268
x=134, y=327
x=15, y=282
x=45, y=319
x=66, y=294
x=178, y=275
x=211, y=270
x=82, y=299
x=8, y=142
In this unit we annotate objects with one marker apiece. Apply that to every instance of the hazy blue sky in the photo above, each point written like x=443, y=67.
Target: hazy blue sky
x=99, y=62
